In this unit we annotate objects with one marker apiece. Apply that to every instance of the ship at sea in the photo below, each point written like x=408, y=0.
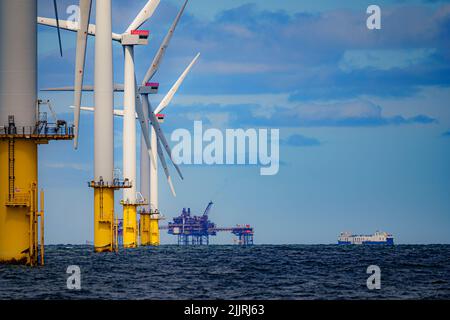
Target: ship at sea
x=376, y=238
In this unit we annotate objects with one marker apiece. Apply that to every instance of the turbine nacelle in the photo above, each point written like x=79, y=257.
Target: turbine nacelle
x=135, y=38
x=149, y=88
x=160, y=117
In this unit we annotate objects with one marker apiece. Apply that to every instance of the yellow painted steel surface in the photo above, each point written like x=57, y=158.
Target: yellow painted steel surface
x=17, y=231
x=103, y=219
x=116, y=235
x=144, y=229
x=154, y=232
x=130, y=226
x=41, y=215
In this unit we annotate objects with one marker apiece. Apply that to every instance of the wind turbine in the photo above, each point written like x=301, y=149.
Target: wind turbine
x=149, y=180
x=149, y=170
x=130, y=38
x=158, y=117
x=83, y=28
x=143, y=91
x=157, y=140
x=132, y=103
x=104, y=182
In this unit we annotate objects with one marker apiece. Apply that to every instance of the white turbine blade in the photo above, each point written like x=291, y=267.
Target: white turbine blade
x=117, y=88
x=82, y=34
x=63, y=24
x=145, y=130
x=160, y=134
x=144, y=15
x=162, y=49
x=90, y=109
x=143, y=121
x=169, y=96
x=117, y=112
x=166, y=169
x=73, y=26
x=68, y=89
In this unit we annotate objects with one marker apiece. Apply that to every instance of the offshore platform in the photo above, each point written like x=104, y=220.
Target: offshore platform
x=196, y=230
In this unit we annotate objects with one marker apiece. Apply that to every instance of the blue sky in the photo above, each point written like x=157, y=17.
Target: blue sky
x=364, y=117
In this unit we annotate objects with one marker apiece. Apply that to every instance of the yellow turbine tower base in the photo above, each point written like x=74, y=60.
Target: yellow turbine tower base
x=154, y=230
x=144, y=229
x=104, y=236
x=19, y=209
x=130, y=232
x=19, y=213
x=105, y=224
x=18, y=173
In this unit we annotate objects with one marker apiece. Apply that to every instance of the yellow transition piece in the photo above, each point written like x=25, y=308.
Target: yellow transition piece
x=144, y=229
x=104, y=236
x=130, y=234
x=154, y=231
x=18, y=201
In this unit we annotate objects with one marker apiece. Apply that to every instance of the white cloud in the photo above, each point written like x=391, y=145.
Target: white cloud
x=223, y=67
x=339, y=111
x=383, y=59
x=266, y=101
